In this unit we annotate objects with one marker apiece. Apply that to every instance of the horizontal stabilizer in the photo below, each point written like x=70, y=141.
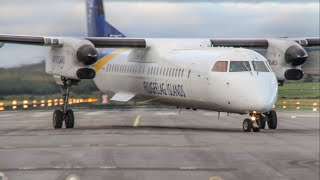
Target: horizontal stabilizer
x=123, y=96
x=112, y=31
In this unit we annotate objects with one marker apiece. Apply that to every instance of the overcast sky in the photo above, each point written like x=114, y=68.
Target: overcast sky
x=156, y=18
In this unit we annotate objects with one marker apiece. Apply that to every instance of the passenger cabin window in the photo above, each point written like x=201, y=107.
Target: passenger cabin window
x=220, y=66
x=260, y=66
x=239, y=66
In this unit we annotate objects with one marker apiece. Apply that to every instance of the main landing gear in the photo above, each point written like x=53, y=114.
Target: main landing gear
x=258, y=121
x=65, y=114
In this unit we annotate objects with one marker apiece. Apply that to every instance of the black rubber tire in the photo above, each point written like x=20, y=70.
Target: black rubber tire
x=69, y=119
x=273, y=120
x=258, y=128
x=247, y=125
x=57, y=119
x=262, y=121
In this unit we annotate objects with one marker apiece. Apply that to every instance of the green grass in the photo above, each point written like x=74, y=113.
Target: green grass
x=300, y=91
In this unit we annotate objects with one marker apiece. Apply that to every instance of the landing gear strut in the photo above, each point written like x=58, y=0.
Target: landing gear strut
x=65, y=114
x=258, y=121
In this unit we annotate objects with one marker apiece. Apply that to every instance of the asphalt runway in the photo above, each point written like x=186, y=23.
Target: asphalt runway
x=160, y=144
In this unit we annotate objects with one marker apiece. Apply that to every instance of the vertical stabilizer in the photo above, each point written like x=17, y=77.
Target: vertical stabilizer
x=96, y=22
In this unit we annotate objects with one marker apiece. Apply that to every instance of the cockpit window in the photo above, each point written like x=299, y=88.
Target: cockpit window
x=239, y=66
x=260, y=66
x=220, y=66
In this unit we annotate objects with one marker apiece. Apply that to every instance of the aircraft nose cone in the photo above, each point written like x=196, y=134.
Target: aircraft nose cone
x=258, y=95
x=265, y=95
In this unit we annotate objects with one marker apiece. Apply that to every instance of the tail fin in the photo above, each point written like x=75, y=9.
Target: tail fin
x=96, y=22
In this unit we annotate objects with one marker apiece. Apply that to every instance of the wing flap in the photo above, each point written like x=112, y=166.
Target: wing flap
x=123, y=96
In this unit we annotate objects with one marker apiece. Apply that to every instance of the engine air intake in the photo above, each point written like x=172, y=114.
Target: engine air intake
x=86, y=73
x=293, y=74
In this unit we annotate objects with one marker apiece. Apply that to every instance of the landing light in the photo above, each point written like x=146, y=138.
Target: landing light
x=253, y=118
x=14, y=102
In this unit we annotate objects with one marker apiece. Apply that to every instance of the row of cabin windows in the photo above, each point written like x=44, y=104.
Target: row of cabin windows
x=152, y=71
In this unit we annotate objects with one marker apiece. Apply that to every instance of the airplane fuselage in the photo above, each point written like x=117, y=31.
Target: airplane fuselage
x=185, y=77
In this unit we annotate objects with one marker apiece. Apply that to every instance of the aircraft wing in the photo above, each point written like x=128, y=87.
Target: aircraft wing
x=59, y=41
x=262, y=43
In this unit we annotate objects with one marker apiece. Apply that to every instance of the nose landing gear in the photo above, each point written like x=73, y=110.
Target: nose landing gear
x=65, y=114
x=252, y=123
x=257, y=122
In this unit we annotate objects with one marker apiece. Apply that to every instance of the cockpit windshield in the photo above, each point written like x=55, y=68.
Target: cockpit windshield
x=239, y=66
x=260, y=66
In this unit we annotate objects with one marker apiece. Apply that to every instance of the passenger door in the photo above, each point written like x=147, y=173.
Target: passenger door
x=198, y=79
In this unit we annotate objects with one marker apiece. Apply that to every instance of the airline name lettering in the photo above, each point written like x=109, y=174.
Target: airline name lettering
x=164, y=89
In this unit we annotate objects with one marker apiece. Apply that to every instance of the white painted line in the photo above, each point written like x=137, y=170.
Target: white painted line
x=28, y=168
x=188, y=168
x=122, y=144
x=175, y=145
x=6, y=115
x=77, y=167
x=96, y=113
x=108, y=167
x=166, y=113
x=66, y=145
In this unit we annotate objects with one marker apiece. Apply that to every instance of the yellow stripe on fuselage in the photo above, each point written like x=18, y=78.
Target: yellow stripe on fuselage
x=103, y=61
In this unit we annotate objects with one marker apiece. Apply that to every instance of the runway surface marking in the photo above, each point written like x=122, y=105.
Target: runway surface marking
x=166, y=113
x=96, y=113
x=215, y=178
x=136, y=121
x=55, y=168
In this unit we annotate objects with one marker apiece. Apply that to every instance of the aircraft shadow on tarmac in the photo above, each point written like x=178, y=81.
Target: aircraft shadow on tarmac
x=193, y=129
x=164, y=128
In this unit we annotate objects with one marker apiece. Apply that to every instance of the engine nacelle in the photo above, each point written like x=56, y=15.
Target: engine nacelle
x=286, y=58
x=73, y=60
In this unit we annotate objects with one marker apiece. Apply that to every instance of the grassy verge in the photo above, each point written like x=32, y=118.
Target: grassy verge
x=300, y=91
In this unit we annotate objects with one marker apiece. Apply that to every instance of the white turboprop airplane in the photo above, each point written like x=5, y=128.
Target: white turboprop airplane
x=223, y=75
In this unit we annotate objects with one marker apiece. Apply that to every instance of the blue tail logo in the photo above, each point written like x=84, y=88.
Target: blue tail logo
x=96, y=22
